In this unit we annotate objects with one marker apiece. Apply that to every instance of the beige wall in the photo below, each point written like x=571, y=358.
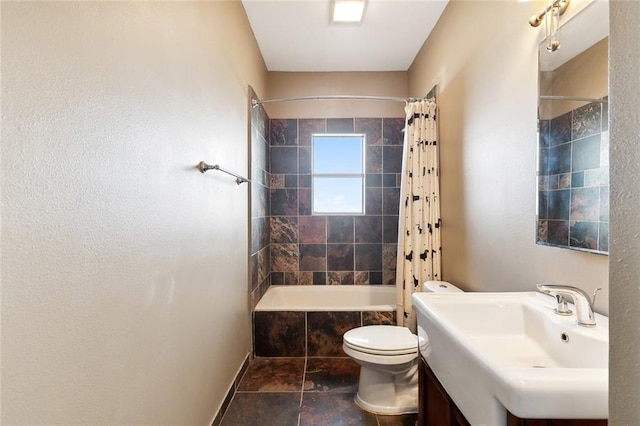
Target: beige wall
x=290, y=84
x=586, y=76
x=124, y=270
x=624, y=376
x=483, y=56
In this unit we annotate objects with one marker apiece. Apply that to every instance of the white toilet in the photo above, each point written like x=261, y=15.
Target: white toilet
x=388, y=358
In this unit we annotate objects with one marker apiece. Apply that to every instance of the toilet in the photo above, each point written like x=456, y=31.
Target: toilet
x=388, y=358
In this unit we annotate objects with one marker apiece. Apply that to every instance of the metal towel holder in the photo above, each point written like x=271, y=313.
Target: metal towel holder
x=203, y=167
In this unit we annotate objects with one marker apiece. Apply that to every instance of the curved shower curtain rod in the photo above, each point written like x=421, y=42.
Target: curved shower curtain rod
x=256, y=102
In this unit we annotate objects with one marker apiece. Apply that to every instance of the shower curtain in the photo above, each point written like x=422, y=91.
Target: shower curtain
x=419, y=251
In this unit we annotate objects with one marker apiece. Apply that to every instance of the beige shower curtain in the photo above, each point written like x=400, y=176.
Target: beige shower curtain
x=419, y=250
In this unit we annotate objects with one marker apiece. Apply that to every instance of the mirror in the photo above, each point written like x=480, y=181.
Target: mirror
x=573, y=135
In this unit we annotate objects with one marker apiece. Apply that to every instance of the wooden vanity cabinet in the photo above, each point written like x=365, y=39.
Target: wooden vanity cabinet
x=436, y=408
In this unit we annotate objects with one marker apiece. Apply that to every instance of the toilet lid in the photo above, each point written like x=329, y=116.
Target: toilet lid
x=382, y=339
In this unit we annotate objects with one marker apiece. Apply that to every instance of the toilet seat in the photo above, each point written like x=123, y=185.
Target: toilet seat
x=385, y=340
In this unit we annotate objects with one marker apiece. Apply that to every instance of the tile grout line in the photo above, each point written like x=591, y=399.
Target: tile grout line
x=304, y=377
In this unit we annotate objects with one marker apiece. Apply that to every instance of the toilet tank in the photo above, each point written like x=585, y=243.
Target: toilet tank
x=439, y=287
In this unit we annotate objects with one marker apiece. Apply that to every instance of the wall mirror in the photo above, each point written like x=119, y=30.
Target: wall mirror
x=573, y=135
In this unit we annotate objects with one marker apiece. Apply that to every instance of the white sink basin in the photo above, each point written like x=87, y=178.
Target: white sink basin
x=493, y=351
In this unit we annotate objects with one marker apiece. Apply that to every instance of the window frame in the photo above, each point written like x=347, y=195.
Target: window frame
x=362, y=175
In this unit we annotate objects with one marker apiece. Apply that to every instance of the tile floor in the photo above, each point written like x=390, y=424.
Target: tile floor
x=302, y=391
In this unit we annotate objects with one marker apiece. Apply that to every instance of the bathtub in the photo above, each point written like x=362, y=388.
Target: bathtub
x=301, y=321
x=328, y=298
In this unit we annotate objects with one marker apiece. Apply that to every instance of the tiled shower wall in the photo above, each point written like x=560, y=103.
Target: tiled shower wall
x=260, y=228
x=573, y=186
x=308, y=249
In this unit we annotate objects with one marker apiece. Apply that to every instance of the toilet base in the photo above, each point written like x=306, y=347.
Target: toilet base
x=389, y=411
x=384, y=393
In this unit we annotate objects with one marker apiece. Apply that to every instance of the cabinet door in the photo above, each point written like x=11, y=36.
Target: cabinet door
x=435, y=408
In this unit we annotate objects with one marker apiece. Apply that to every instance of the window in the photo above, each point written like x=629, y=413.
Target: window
x=338, y=174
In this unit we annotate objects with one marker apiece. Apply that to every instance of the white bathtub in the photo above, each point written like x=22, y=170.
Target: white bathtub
x=327, y=298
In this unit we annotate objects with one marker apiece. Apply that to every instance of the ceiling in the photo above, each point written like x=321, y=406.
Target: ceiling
x=295, y=35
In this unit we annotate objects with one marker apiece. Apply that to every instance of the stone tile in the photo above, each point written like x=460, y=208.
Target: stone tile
x=284, y=257
x=391, y=201
x=304, y=201
x=392, y=159
x=379, y=318
x=279, y=334
x=331, y=375
x=361, y=277
x=312, y=229
x=560, y=159
x=586, y=120
x=543, y=161
x=334, y=277
x=284, y=132
x=389, y=263
x=368, y=257
x=603, y=236
x=604, y=203
x=325, y=330
x=373, y=160
x=392, y=131
x=284, y=160
x=368, y=229
x=304, y=160
x=543, y=201
x=544, y=133
x=373, y=201
x=584, y=235
x=291, y=278
x=375, y=277
x=340, y=229
x=291, y=181
x=543, y=231
x=281, y=409
x=560, y=129
x=313, y=257
x=347, y=278
x=277, y=181
x=558, y=232
x=284, y=202
x=273, y=375
x=308, y=127
x=340, y=125
x=373, y=180
x=305, y=278
x=390, y=229
x=585, y=153
x=585, y=204
x=319, y=278
x=340, y=257
x=284, y=229
x=559, y=204
x=333, y=409
x=372, y=128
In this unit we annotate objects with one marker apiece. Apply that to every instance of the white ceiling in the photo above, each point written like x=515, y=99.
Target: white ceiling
x=295, y=35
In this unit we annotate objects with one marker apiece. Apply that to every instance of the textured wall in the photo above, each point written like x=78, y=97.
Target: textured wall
x=624, y=377
x=487, y=80
x=287, y=84
x=124, y=269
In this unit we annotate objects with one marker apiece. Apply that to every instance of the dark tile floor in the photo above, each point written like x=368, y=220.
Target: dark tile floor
x=303, y=391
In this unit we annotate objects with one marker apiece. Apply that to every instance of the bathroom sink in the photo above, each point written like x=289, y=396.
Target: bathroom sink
x=493, y=351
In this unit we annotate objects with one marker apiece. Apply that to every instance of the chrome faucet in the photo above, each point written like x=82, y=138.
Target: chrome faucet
x=581, y=300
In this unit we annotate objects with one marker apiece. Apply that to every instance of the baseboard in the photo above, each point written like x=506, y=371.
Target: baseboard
x=231, y=392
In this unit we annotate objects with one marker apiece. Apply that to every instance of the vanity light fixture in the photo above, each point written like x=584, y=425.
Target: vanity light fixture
x=551, y=17
x=347, y=11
